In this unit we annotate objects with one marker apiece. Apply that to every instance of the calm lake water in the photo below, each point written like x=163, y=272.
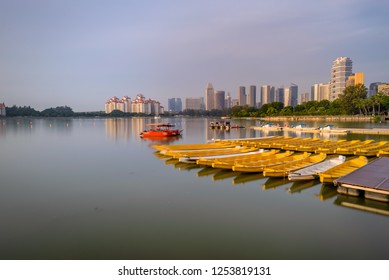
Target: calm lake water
x=92, y=189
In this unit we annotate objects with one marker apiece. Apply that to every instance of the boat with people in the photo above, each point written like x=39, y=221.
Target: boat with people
x=220, y=125
x=312, y=172
x=223, y=125
x=161, y=130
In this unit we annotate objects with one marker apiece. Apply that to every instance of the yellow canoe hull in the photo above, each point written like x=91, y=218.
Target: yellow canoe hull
x=343, y=169
x=283, y=170
x=259, y=166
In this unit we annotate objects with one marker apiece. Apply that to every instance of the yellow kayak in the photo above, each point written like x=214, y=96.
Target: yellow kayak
x=372, y=149
x=259, y=166
x=349, y=150
x=343, y=169
x=283, y=170
x=228, y=163
x=212, y=152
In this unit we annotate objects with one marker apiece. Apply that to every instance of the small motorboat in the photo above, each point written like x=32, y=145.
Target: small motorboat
x=161, y=130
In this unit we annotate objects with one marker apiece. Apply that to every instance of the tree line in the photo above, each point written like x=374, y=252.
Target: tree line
x=353, y=101
x=61, y=111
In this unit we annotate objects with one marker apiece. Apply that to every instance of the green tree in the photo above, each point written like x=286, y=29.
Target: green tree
x=277, y=105
x=287, y=111
x=25, y=111
x=60, y=111
x=324, y=103
x=350, y=98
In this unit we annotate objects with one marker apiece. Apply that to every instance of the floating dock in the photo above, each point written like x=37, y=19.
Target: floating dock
x=379, y=131
x=370, y=181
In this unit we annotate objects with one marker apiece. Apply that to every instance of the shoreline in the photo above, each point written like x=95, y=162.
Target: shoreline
x=321, y=118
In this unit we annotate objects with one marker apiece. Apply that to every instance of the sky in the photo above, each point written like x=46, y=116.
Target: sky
x=80, y=53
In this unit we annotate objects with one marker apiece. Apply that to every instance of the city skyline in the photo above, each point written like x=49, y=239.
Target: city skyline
x=81, y=53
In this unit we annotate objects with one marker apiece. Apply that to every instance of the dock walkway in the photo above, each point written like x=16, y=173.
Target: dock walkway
x=380, y=131
x=371, y=180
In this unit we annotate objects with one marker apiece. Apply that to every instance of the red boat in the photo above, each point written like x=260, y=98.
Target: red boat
x=161, y=130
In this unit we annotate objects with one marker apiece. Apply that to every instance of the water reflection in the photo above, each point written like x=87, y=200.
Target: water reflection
x=194, y=128
x=273, y=183
x=247, y=177
x=26, y=126
x=300, y=186
x=224, y=174
x=207, y=171
x=130, y=128
x=363, y=204
x=123, y=128
x=327, y=191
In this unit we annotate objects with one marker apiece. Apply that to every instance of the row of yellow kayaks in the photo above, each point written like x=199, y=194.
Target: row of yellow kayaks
x=313, y=145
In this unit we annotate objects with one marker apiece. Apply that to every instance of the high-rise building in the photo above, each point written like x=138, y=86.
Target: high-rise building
x=139, y=105
x=305, y=97
x=194, y=103
x=265, y=92
x=272, y=96
x=112, y=104
x=174, y=105
x=279, y=95
x=342, y=68
x=228, y=101
x=373, y=88
x=252, y=97
x=171, y=104
x=291, y=95
x=127, y=104
x=242, y=97
x=324, y=92
x=179, y=104
x=383, y=88
x=355, y=79
x=319, y=92
x=219, y=100
x=209, y=97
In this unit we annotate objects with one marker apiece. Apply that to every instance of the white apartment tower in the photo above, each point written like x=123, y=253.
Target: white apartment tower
x=342, y=68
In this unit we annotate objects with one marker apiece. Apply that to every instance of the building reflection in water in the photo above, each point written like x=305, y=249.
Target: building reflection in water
x=2, y=127
x=124, y=128
x=129, y=129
